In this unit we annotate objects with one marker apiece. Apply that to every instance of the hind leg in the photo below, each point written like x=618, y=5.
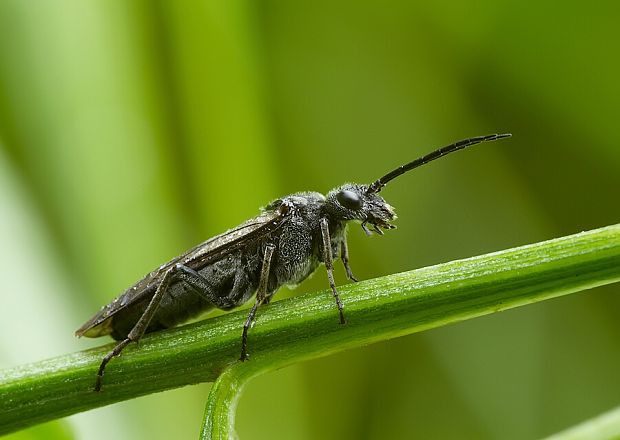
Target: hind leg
x=212, y=292
x=139, y=328
x=202, y=286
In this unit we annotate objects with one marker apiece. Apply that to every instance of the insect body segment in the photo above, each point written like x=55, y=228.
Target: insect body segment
x=283, y=245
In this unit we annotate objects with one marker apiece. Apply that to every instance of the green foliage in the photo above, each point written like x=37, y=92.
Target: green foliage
x=603, y=427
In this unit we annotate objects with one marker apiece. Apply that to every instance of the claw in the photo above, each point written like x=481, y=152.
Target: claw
x=366, y=230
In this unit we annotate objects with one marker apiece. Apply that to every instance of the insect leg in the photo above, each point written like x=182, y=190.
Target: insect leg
x=203, y=287
x=108, y=357
x=329, y=265
x=344, y=256
x=139, y=328
x=261, y=295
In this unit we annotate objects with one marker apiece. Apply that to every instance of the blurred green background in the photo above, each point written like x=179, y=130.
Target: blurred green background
x=132, y=130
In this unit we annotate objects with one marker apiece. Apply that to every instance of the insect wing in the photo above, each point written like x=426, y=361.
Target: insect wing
x=211, y=250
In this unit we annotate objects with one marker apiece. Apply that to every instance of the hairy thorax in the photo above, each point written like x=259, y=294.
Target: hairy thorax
x=300, y=246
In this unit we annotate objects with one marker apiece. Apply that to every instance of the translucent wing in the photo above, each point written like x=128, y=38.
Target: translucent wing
x=196, y=258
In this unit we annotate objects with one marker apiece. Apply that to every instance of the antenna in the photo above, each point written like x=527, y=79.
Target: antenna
x=378, y=184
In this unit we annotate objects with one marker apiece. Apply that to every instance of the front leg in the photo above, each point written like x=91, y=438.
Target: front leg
x=329, y=265
x=344, y=256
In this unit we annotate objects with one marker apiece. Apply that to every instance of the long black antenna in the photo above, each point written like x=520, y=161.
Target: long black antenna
x=378, y=184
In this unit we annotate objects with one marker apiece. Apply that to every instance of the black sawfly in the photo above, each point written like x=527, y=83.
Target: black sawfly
x=283, y=245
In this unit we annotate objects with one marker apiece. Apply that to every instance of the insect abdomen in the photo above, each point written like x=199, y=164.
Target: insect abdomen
x=178, y=305
x=227, y=284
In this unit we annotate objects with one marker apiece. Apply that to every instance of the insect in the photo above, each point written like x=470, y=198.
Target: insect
x=283, y=245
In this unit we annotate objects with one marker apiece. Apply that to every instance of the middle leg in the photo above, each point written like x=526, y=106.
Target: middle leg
x=261, y=296
x=344, y=256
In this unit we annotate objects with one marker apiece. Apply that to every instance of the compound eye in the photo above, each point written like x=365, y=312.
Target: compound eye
x=349, y=199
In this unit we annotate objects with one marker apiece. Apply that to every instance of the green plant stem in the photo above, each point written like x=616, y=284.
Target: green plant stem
x=307, y=326
x=219, y=418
